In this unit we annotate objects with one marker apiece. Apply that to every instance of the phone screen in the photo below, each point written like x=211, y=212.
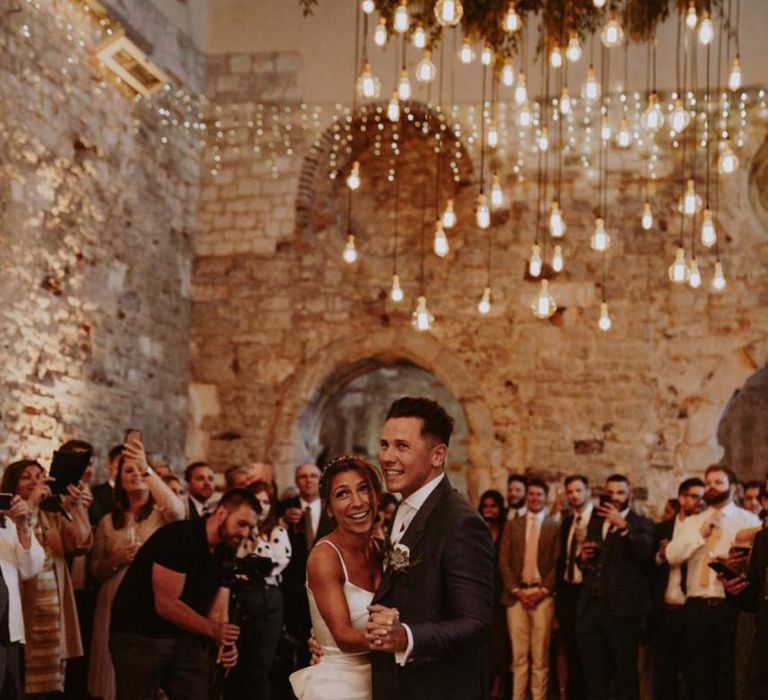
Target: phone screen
x=721, y=568
x=5, y=501
x=132, y=434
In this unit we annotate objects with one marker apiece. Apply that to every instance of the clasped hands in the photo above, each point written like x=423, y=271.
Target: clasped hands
x=384, y=630
x=529, y=598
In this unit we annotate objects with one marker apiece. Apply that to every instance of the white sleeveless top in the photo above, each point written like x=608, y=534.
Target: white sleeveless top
x=339, y=675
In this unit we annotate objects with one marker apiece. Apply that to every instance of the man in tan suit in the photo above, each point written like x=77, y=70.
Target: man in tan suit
x=528, y=557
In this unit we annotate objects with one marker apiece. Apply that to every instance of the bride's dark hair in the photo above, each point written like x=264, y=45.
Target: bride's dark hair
x=349, y=463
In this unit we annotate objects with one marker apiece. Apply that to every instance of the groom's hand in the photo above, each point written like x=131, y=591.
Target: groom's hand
x=384, y=631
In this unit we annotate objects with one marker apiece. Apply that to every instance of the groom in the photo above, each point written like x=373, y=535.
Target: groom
x=432, y=612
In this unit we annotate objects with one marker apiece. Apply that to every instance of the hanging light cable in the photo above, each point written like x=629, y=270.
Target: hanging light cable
x=483, y=215
x=708, y=233
x=349, y=254
x=694, y=275
x=440, y=245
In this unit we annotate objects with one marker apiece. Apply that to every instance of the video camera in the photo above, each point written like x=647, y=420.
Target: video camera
x=240, y=572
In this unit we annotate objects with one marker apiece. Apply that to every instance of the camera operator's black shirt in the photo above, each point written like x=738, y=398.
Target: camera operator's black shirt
x=183, y=547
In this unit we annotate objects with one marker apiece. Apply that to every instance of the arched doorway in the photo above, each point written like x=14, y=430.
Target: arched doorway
x=347, y=411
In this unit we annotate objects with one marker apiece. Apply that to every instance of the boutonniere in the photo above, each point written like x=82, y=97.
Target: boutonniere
x=397, y=557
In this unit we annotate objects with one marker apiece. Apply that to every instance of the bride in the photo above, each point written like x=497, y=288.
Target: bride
x=343, y=572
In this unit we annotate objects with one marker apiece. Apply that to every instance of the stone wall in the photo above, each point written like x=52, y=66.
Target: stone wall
x=276, y=312
x=97, y=218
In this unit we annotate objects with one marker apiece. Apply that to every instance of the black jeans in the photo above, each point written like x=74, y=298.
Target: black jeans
x=144, y=665
x=567, y=599
x=11, y=671
x=262, y=607
x=668, y=637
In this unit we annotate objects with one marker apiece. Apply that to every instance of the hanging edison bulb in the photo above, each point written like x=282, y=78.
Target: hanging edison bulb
x=680, y=116
x=543, y=141
x=512, y=21
x=690, y=202
x=573, y=50
x=678, y=270
x=397, y=292
x=565, y=102
x=380, y=33
x=624, y=135
x=404, y=86
x=591, y=89
x=599, y=4
x=483, y=216
x=492, y=135
x=484, y=305
x=368, y=85
x=604, y=322
x=353, y=179
x=600, y=240
x=486, y=55
x=449, y=215
x=708, y=233
x=441, y=246
x=497, y=194
x=367, y=6
x=448, y=12
x=508, y=73
x=425, y=69
x=734, y=77
x=557, y=259
x=521, y=90
x=612, y=34
x=605, y=129
x=694, y=275
x=534, y=262
x=706, y=29
x=419, y=38
x=422, y=319
x=350, y=252
x=466, y=52
x=646, y=220
x=556, y=222
x=543, y=305
x=653, y=118
x=525, y=116
x=691, y=18
x=400, y=20
x=727, y=162
x=718, y=278
x=393, y=108
x=556, y=58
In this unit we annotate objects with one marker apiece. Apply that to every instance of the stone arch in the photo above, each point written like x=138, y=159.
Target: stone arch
x=345, y=356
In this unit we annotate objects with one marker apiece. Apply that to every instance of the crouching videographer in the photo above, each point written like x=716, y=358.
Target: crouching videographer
x=257, y=599
x=173, y=602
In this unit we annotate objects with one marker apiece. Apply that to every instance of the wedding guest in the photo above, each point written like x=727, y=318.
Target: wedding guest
x=200, y=480
x=499, y=651
x=48, y=601
x=21, y=557
x=516, y=488
x=671, y=509
x=261, y=602
x=104, y=493
x=143, y=503
x=528, y=558
x=238, y=476
x=710, y=617
x=173, y=483
x=752, y=491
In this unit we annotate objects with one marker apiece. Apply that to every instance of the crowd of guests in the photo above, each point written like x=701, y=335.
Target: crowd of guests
x=594, y=600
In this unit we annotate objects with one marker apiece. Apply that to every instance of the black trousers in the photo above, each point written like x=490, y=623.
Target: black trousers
x=710, y=633
x=144, y=665
x=668, y=639
x=608, y=645
x=567, y=597
x=11, y=671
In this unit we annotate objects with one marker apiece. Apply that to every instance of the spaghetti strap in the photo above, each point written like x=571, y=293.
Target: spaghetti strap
x=341, y=558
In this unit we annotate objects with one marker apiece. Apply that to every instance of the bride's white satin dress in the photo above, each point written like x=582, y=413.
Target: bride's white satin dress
x=338, y=675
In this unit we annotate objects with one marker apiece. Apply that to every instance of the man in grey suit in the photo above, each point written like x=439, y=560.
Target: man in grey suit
x=528, y=555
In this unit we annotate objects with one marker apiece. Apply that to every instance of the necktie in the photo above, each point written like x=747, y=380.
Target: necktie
x=571, y=567
x=709, y=555
x=530, y=566
x=399, y=526
x=308, y=531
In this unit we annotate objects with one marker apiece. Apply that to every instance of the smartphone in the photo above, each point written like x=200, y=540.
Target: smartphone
x=5, y=501
x=132, y=434
x=605, y=499
x=721, y=568
x=741, y=551
x=68, y=468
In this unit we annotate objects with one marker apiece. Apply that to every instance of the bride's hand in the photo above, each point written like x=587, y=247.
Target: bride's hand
x=384, y=631
x=315, y=649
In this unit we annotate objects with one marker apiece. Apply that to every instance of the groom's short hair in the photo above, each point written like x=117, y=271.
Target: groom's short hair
x=435, y=419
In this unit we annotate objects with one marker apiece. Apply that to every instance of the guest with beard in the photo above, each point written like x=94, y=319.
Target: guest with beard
x=517, y=487
x=499, y=651
x=710, y=616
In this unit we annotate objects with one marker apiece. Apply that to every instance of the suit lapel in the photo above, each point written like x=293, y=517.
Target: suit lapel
x=414, y=533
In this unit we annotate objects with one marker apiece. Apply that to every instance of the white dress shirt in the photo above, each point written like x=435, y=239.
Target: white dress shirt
x=673, y=593
x=15, y=562
x=315, y=509
x=513, y=513
x=538, y=518
x=406, y=512
x=586, y=515
x=688, y=545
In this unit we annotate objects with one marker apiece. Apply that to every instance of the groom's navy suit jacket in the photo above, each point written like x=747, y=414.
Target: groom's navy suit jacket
x=446, y=598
